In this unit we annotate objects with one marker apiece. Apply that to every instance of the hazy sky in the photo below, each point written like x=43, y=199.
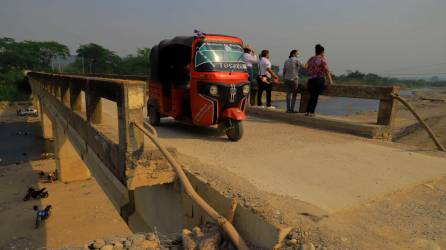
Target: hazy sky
x=382, y=36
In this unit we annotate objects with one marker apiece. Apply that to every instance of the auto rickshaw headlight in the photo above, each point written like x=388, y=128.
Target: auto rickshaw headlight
x=213, y=90
x=246, y=89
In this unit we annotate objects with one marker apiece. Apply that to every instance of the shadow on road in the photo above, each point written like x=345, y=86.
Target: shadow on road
x=171, y=129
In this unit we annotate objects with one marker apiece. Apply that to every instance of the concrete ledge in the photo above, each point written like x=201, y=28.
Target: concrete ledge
x=324, y=122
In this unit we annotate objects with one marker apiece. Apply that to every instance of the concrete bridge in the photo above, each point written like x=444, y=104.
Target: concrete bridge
x=71, y=113
x=307, y=170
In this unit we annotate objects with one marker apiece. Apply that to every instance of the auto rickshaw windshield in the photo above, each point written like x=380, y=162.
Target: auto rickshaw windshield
x=219, y=56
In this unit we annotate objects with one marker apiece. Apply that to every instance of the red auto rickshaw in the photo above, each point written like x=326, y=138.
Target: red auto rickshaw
x=201, y=80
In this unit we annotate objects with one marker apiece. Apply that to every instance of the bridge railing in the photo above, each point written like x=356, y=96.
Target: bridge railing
x=129, y=96
x=111, y=76
x=386, y=108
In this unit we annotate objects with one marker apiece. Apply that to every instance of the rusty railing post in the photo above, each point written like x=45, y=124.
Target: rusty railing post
x=387, y=108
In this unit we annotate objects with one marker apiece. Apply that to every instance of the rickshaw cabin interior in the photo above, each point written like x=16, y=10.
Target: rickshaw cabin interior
x=170, y=61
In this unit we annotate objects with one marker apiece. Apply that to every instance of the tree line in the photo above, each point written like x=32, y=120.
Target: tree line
x=16, y=56
x=356, y=77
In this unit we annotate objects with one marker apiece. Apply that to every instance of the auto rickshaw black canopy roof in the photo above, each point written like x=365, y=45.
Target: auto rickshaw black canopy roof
x=178, y=40
x=171, y=52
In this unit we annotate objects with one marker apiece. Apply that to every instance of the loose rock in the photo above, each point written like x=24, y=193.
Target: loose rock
x=137, y=239
x=151, y=236
x=149, y=245
x=127, y=244
x=118, y=246
x=292, y=242
x=98, y=243
x=107, y=247
x=197, y=232
x=188, y=242
x=307, y=246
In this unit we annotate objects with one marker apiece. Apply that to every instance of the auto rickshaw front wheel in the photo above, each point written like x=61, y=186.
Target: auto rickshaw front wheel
x=154, y=116
x=234, y=129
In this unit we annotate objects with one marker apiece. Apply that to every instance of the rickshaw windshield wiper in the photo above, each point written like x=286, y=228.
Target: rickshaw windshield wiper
x=206, y=59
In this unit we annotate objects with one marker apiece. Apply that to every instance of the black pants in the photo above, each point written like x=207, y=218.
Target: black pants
x=268, y=88
x=315, y=86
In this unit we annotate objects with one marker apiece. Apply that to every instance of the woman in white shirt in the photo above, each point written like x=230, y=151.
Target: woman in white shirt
x=264, y=79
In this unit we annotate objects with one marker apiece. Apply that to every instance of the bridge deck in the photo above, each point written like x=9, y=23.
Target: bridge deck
x=329, y=170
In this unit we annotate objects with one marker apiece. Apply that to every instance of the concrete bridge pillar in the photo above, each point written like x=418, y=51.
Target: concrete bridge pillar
x=45, y=122
x=94, y=109
x=36, y=102
x=94, y=105
x=57, y=92
x=130, y=108
x=65, y=95
x=69, y=165
x=131, y=139
x=75, y=98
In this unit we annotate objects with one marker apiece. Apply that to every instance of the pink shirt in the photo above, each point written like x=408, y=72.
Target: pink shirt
x=317, y=66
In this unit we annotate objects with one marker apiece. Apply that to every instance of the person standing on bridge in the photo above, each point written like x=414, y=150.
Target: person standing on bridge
x=291, y=78
x=250, y=58
x=317, y=68
x=264, y=79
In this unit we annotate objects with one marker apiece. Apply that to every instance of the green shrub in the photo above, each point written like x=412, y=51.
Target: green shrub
x=12, y=77
x=9, y=86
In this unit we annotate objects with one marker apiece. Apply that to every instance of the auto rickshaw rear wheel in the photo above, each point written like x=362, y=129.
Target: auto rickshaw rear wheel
x=234, y=129
x=154, y=116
